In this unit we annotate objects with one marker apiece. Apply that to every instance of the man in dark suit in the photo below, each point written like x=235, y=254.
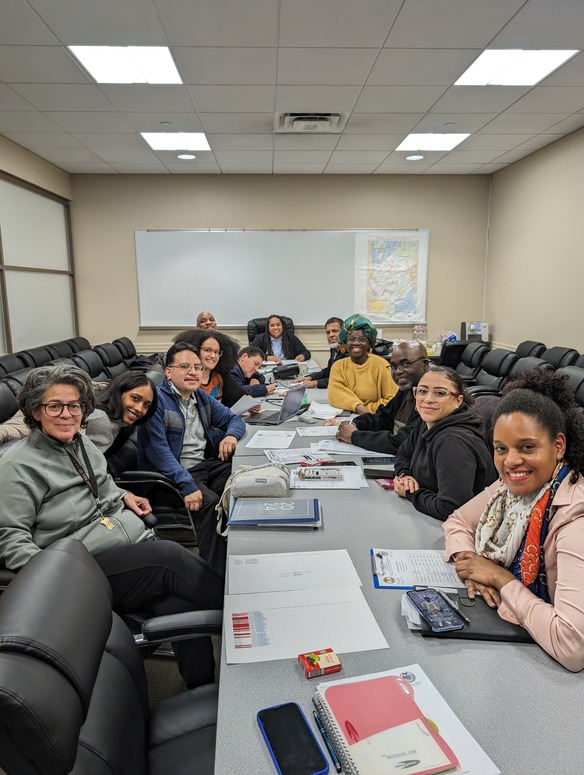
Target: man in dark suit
x=320, y=379
x=385, y=430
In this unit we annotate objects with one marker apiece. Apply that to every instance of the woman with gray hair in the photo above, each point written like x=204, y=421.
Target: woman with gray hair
x=55, y=483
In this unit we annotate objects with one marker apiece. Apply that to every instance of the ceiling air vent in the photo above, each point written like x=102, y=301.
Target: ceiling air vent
x=310, y=123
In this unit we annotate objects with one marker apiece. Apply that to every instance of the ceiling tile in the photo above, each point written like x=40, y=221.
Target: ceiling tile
x=391, y=168
x=90, y=122
x=488, y=169
x=231, y=159
x=39, y=64
x=216, y=65
x=20, y=25
x=350, y=169
x=219, y=22
x=221, y=142
x=307, y=142
x=232, y=99
x=335, y=23
x=315, y=99
x=472, y=157
x=10, y=100
x=298, y=169
x=450, y=23
x=58, y=156
x=443, y=168
x=550, y=99
x=358, y=157
x=167, y=121
x=203, y=169
x=486, y=142
x=325, y=65
x=148, y=168
x=382, y=123
x=369, y=142
x=110, y=22
x=35, y=141
x=143, y=97
x=420, y=67
x=521, y=123
x=568, y=125
x=570, y=74
x=544, y=24
x=454, y=122
x=479, y=99
x=300, y=157
x=87, y=168
x=53, y=96
x=238, y=123
x=398, y=99
x=26, y=121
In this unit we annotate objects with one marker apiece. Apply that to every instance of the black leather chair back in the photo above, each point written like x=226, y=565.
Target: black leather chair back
x=257, y=326
x=451, y=354
x=112, y=358
x=89, y=361
x=36, y=356
x=16, y=379
x=495, y=368
x=60, y=350
x=79, y=343
x=528, y=364
x=126, y=347
x=8, y=402
x=579, y=362
x=472, y=357
x=10, y=363
x=529, y=349
x=560, y=356
x=575, y=376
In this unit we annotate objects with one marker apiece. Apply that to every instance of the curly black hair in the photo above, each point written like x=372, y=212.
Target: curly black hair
x=546, y=397
x=228, y=346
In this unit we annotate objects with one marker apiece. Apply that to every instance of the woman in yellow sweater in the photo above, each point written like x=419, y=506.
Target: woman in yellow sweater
x=362, y=382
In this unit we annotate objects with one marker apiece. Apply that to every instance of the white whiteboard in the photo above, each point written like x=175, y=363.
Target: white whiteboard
x=238, y=275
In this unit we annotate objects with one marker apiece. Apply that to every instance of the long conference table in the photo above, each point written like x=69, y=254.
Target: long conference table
x=522, y=707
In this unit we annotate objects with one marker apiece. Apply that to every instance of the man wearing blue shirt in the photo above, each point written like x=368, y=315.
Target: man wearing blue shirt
x=191, y=438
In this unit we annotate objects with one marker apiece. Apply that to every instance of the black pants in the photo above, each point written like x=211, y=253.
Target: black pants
x=210, y=477
x=158, y=578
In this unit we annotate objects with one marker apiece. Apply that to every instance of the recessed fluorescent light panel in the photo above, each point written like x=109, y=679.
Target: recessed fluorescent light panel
x=128, y=64
x=431, y=142
x=512, y=67
x=176, y=141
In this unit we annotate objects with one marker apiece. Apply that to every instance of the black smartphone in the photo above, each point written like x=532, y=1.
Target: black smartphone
x=436, y=612
x=291, y=742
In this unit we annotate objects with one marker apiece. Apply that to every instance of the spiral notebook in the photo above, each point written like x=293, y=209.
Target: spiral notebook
x=395, y=722
x=377, y=728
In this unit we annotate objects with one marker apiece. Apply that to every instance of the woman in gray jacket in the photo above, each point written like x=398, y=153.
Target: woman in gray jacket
x=54, y=483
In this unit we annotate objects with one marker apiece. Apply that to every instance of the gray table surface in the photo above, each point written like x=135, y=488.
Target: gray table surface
x=522, y=707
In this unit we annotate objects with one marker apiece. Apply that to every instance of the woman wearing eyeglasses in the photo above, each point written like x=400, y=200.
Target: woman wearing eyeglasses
x=55, y=483
x=520, y=544
x=362, y=382
x=218, y=354
x=444, y=462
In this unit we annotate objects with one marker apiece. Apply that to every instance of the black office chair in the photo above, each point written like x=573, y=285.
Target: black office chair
x=451, y=353
x=257, y=326
x=36, y=356
x=73, y=693
x=530, y=349
x=10, y=363
x=575, y=376
x=528, y=364
x=560, y=356
x=79, y=343
x=8, y=408
x=60, y=350
x=16, y=379
x=494, y=371
x=472, y=357
x=579, y=362
x=112, y=358
x=89, y=361
x=126, y=347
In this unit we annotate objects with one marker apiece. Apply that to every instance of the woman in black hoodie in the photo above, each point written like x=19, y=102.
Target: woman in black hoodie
x=444, y=462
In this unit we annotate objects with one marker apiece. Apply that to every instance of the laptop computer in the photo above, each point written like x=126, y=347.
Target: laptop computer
x=290, y=406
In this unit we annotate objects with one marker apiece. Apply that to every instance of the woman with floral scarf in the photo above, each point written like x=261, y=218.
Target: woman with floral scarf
x=520, y=544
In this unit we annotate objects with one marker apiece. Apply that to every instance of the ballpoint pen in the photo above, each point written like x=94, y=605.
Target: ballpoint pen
x=454, y=605
x=327, y=742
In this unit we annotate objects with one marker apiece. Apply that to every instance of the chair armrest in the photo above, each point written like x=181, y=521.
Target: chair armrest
x=192, y=624
x=146, y=477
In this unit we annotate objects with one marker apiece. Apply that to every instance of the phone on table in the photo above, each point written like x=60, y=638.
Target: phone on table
x=291, y=742
x=436, y=612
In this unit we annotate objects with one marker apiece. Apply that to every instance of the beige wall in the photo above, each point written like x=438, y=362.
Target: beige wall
x=535, y=272
x=106, y=210
x=27, y=166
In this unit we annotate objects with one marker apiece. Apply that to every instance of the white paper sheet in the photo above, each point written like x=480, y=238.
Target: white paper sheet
x=280, y=625
x=290, y=571
x=342, y=448
x=296, y=455
x=320, y=430
x=406, y=568
x=271, y=439
x=473, y=760
x=244, y=404
x=325, y=411
x=353, y=479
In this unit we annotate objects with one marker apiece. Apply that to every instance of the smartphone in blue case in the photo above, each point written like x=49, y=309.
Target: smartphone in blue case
x=291, y=741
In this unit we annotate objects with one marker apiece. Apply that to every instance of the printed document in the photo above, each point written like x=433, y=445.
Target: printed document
x=271, y=439
x=291, y=570
x=280, y=625
x=318, y=430
x=296, y=455
x=408, y=568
